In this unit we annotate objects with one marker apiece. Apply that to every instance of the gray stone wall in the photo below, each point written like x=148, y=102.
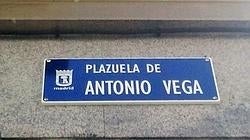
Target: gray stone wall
x=23, y=115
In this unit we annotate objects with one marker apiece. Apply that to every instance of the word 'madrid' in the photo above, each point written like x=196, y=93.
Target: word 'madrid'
x=129, y=80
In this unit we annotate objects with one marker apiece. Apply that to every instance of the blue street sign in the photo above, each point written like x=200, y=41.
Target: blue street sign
x=129, y=80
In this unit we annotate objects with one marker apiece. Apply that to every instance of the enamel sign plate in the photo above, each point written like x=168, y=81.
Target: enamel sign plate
x=129, y=80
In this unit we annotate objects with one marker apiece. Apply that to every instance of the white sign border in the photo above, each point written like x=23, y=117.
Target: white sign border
x=133, y=102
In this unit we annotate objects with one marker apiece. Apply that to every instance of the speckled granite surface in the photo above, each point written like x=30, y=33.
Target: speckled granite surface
x=23, y=115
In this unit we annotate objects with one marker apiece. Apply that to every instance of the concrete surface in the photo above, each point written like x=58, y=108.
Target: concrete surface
x=23, y=115
x=125, y=10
